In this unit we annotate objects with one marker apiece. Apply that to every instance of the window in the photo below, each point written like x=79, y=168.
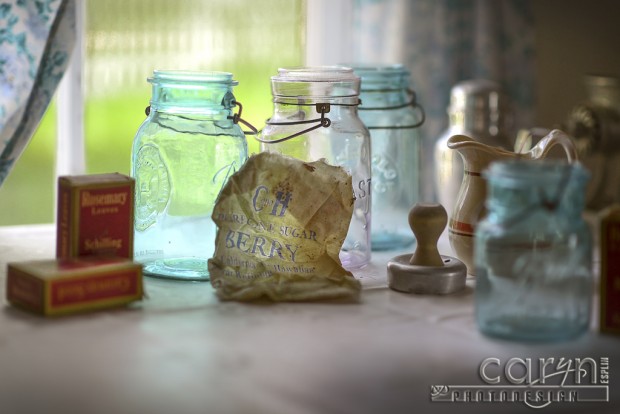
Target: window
x=124, y=41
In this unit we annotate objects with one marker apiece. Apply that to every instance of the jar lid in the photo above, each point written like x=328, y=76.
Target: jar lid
x=316, y=74
x=183, y=76
x=382, y=77
x=177, y=91
x=329, y=81
x=476, y=95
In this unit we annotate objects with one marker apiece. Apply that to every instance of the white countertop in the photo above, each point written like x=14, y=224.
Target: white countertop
x=182, y=351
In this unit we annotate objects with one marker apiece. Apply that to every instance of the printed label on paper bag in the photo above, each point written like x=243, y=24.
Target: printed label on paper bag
x=281, y=223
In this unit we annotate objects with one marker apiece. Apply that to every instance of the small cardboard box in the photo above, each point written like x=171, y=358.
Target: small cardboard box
x=610, y=270
x=95, y=216
x=57, y=287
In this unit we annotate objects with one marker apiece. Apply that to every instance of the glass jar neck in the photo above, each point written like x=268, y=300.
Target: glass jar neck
x=383, y=86
x=297, y=91
x=203, y=94
x=506, y=203
x=383, y=78
x=335, y=85
x=523, y=188
x=306, y=111
x=384, y=99
x=336, y=103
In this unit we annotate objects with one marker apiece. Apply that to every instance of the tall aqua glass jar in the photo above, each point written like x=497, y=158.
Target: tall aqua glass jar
x=533, y=253
x=315, y=117
x=182, y=155
x=390, y=111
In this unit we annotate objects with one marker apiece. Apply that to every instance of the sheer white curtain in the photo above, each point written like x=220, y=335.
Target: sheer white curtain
x=36, y=40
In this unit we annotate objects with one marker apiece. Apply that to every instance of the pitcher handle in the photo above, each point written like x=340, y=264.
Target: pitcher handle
x=555, y=137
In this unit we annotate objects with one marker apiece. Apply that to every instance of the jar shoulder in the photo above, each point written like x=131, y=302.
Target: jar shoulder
x=178, y=126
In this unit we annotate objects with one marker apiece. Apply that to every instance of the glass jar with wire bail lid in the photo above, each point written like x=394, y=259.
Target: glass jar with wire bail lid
x=533, y=252
x=315, y=116
x=182, y=155
x=391, y=113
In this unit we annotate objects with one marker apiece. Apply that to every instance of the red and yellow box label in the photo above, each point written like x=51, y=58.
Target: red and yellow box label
x=54, y=287
x=95, y=216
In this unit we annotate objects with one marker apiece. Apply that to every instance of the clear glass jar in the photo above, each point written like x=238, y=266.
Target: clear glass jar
x=315, y=116
x=533, y=253
x=182, y=155
x=390, y=111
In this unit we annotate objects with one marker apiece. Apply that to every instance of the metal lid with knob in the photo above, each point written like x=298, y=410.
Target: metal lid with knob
x=426, y=271
x=481, y=108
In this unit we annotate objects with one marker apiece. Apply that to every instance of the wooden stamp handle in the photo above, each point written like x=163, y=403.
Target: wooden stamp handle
x=427, y=221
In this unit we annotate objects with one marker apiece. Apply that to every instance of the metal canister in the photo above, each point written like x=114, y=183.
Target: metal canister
x=479, y=109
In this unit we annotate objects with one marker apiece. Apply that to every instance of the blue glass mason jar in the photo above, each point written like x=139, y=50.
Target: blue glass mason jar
x=533, y=252
x=315, y=116
x=390, y=111
x=182, y=155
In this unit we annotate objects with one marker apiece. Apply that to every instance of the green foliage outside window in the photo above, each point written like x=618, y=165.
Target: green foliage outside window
x=125, y=41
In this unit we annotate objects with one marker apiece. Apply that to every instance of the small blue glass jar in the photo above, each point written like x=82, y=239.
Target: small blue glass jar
x=182, y=155
x=533, y=253
x=390, y=112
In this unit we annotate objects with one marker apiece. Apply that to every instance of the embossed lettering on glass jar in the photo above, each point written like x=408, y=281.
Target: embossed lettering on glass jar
x=182, y=155
x=315, y=116
x=534, y=252
x=390, y=111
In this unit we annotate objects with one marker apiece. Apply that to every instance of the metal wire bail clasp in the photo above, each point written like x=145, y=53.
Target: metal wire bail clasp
x=412, y=102
x=236, y=118
x=323, y=121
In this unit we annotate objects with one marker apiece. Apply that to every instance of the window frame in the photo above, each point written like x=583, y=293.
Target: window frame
x=70, y=143
x=329, y=27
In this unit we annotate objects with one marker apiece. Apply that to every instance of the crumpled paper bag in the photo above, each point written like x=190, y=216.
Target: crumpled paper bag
x=281, y=223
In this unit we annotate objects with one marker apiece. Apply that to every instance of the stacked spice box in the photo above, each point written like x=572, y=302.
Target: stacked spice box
x=94, y=266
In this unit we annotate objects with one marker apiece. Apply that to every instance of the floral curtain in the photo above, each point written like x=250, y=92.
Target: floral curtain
x=443, y=42
x=36, y=39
